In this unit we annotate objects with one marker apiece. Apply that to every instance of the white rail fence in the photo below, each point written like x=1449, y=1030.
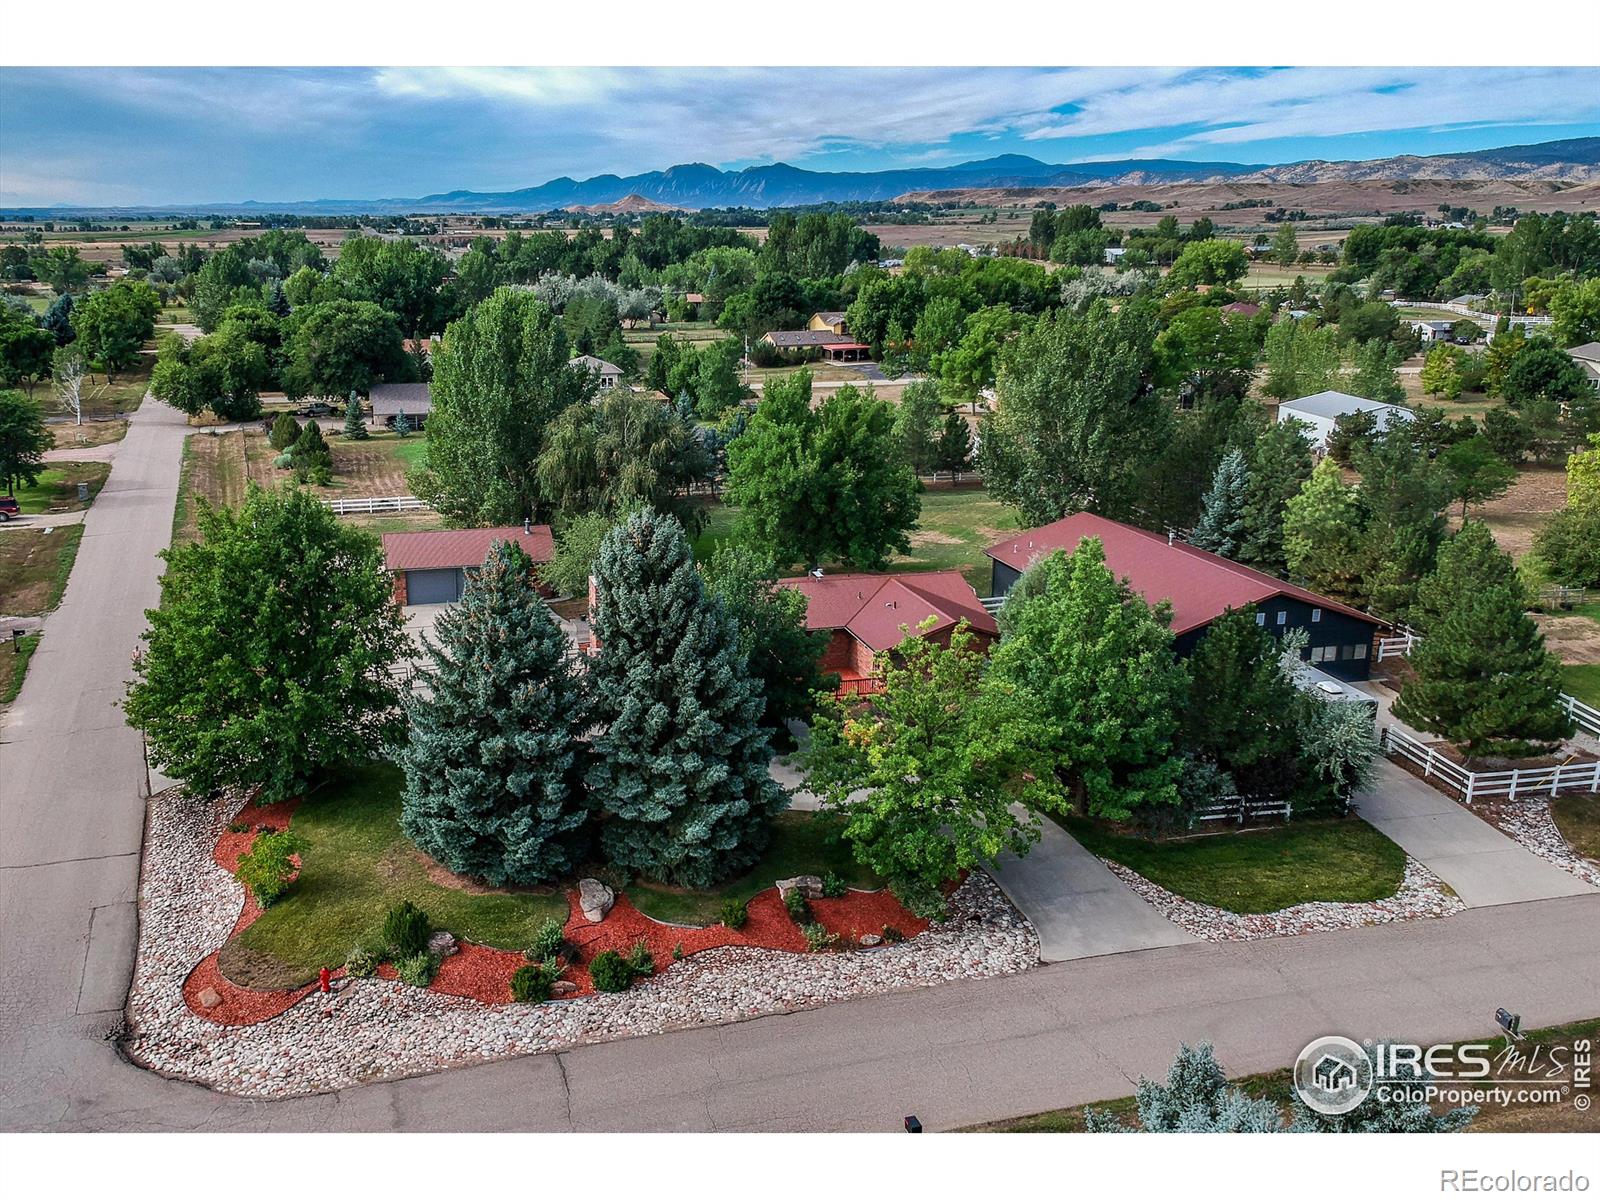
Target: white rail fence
x=376, y=504
x=1476, y=785
x=1240, y=808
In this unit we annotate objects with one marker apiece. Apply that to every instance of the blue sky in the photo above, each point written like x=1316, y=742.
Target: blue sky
x=190, y=135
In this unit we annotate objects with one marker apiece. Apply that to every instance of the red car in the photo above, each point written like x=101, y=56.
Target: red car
x=9, y=508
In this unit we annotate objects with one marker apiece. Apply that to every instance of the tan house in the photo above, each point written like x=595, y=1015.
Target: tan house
x=607, y=375
x=832, y=322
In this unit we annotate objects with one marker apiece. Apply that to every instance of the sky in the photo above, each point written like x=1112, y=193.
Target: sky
x=147, y=136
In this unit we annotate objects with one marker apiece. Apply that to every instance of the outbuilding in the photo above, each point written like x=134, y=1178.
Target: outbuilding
x=1320, y=413
x=431, y=566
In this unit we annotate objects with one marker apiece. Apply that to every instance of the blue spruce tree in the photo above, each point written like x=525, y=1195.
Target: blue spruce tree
x=681, y=760
x=1221, y=528
x=495, y=760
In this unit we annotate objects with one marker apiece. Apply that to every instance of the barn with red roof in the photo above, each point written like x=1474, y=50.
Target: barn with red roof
x=870, y=613
x=1200, y=587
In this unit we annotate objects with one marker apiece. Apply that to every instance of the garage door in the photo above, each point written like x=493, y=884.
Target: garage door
x=433, y=587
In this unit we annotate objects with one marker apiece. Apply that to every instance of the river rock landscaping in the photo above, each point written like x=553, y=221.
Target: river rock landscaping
x=187, y=1020
x=1527, y=821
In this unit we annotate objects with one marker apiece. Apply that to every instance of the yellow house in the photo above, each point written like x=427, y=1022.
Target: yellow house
x=830, y=322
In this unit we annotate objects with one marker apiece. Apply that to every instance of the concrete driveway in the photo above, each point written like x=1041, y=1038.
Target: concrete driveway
x=1482, y=864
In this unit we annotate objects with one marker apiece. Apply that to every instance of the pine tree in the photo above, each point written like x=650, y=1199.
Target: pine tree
x=1322, y=531
x=1222, y=525
x=1483, y=678
x=495, y=759
x=354, y=427
x=277, y=302
x=955, y=444
x=312, y=460
x=681, y=760
x=402, y=425
x=1280, y=463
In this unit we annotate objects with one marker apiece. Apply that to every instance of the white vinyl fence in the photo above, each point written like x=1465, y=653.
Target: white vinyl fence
x=1239, y=808
x=1475, y=785
x=376, y=504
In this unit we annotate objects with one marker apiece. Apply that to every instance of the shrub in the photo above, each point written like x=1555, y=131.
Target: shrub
x=531, y=984
x=268, y=865
x=677, y=952
x=640, y=961
x=417, y=969
x=361, y=964
x=610, y=972
x=833, y=886
x=284, y=461
x=285, y=431
x=548, y=941
x=735, y=913
x=817, y=937
x=799, y=910
x=405, y=931
x=892, y=936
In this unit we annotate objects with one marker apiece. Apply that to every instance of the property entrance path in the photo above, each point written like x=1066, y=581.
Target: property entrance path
x=1482, y=864
x=1077, y=906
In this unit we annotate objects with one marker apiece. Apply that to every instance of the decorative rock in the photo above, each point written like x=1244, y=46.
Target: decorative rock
x=442, y=944
x=563, y=987
x=595, y=899
x=809, y=886
x=871, y=939
x=209, y=998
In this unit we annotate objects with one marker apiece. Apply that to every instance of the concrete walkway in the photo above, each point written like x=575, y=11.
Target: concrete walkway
x=1079, y=908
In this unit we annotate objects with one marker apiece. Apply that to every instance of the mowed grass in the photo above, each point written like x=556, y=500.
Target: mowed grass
x=1582, y=681
x=14, y=657
x=34, y=567
x=356, y=866
x=803, y=843
x=1578, y=819
x=1260, y=870
x=57, y=489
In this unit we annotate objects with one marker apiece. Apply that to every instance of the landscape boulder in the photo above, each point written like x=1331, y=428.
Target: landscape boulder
x=871, y=939
x=563, y=987
x=809, y=886
x=595, y=899
x=442, y=944
x=209, y=998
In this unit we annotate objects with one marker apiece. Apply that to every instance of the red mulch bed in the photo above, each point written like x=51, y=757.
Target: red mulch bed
x=484, y=973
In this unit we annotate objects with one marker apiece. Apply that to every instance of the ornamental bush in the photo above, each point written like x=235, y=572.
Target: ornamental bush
x=361, y=963
x=799, y=910
x=406, y=930
x=640, y=961
x=734, y=913
x=532, y=984
x=833, y=886
x=610, y=972
x=417, y=970
x=817, y=937
x=547, y=941
x=285, y=431
x=268, y=866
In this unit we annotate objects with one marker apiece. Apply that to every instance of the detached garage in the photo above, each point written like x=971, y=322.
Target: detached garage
x=431, y=566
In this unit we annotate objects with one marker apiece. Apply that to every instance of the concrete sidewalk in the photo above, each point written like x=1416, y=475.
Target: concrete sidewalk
x=1079, y=908
x=1482, y=864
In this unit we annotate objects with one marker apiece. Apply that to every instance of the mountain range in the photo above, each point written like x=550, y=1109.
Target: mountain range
x=697, y=185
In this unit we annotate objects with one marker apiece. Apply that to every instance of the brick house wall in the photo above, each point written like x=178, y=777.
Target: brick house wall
x=399, y=578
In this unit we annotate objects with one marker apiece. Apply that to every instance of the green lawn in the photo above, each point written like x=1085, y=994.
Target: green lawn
x=411, y=450
x=34, y=567
x=357, y=864
x=1260, y=870
x=57, y=489
x=1578, y=819
x=803, y=843
x=14, y=657
x=1582, y=681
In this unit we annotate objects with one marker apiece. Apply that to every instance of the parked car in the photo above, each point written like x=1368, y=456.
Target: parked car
x=316, y=409
x=9, y=508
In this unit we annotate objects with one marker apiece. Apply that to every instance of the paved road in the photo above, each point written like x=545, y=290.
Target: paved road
x=70, y=823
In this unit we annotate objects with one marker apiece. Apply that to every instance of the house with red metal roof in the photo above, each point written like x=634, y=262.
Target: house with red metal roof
x=430, y=566
x=867, y=614
x=1199, y=586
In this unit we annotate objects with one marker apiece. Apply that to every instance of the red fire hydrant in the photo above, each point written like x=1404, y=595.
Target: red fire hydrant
x=322, y=980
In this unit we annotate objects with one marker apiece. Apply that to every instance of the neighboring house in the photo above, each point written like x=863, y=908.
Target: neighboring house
x=1241, y=309
x=1587, y=356
x=389, y=400
x=836, y=347
x=1433, y=331
x=606, y=375
x=431, y=566
x=1470, y=300
x=1114, y=255
x=867, y=614
x=1321, y=411
x=830, y=322
x=1200, y=586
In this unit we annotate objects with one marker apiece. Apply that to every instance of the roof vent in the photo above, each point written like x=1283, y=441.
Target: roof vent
x=527, y=525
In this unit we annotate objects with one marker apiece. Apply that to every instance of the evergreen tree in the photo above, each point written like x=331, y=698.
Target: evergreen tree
x=402, y=425
x=285, y=431
x=310, y=456
x=1373, y=375
x=354, y=427
x=58, y=319
x=955, y=444
x=916, y=425
x=1280, y=464
x=495, y=759
x=1222, y=523
x=1405, y=492
x=277, y=302
x=1483, y=678
x=681, y=760
x=1322, y=532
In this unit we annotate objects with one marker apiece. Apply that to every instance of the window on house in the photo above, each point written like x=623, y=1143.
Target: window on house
x=1361, y=650
x=1316, y=615
x=1261, y=618
x=1283, y=618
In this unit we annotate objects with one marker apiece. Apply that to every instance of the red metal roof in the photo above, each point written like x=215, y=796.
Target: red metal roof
x=872, y=608
x=435, y=549
x=1200, y=585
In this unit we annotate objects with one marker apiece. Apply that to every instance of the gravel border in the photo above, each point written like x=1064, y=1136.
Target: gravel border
x=1527, y=821
x=373, y=1029
x=1421, y=894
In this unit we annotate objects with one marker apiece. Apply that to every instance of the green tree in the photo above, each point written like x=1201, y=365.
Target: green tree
x=403, y=277
x=1280, y=464
x=1196, y=1098
x=27, y=349
x=1405, y=494
x=355, y=428
x=1482, y=677
x=1221, y=527
x=1205, y=353
x=578, y=543
x=1569, y=546
x=1220, y=262
x=1323, y=528
x=495, y=757
x=1369, y=322
x=1575, y=312
x=1541, y=372
x=224, y=372
x=342, y=346
x=311, y=456
x=63, y=268
x=1097, y=666
x=823, y=485
x=970, y=365
x=1476, y=473
x=955, y=444
x=499, y=380
x=284, y=433
x=783, y=656
x=929, y=777
x=113, y=324
x=23, y=441
x=301, y=683
x=680, y=757
x=1374, y=375
x=1302, y=359
x=1441, y=372
x=916, y=425
x=1076, y=424
x=1285, y=245
x=1583, y=475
